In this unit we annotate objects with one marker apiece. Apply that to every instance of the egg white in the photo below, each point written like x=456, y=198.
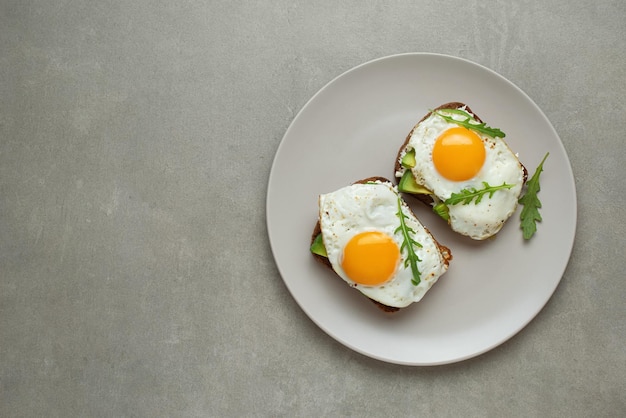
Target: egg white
x=373, y=207
x=478, y=221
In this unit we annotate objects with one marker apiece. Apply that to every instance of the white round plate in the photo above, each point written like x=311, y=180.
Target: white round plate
x=352, y=129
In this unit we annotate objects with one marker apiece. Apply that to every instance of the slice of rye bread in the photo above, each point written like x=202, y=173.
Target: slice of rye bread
x=425, y=198
x=445, y=251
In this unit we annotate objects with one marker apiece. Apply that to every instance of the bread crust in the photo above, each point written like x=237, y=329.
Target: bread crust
x=425, y=198
x=445, y=251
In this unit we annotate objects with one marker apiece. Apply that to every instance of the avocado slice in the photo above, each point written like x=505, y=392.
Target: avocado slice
x=318, y=246
x=407, y=184
x=442, y=210
x=408, y=160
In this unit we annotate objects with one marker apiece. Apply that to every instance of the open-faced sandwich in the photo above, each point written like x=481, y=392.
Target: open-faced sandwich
x=453, y=161
x=372, y=240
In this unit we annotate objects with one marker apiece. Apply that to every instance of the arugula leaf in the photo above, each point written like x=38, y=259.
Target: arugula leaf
x=530, y=213
x=467, y=195
x=470, y=122
x=408, y=244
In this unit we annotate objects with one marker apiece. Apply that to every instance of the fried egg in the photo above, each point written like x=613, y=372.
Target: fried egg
x=360, y=226
x=450, y=158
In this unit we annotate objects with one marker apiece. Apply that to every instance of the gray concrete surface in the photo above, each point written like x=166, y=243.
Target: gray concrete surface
x=136, y=140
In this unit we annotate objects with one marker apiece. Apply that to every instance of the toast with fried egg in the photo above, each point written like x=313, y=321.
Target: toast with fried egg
x=452, y=161
x=370, y=210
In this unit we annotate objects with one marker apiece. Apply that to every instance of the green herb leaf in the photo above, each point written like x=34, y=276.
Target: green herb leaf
x=470, y=122
x=466, y=196
x=411, y=259
x=530, y=213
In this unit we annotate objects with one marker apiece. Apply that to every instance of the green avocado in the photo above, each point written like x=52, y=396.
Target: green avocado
x=318, y=246
x=407, y=184
x=442, y=210
x=408, y=161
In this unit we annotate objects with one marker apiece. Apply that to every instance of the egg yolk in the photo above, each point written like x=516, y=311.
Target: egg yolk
x=458, y=154
x=370, y=258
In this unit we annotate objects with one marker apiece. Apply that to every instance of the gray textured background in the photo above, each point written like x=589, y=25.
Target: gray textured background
x=136, y=140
